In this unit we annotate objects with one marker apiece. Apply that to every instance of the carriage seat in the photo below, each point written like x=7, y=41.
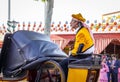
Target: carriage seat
x=85, y=60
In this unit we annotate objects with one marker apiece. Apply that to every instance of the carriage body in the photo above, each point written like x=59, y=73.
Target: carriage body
x=27, y=51
x=32, y=57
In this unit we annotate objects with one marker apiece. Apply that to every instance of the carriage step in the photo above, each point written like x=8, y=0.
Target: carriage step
x=22, y=76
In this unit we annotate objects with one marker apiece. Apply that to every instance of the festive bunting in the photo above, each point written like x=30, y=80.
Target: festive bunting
x=107, y=26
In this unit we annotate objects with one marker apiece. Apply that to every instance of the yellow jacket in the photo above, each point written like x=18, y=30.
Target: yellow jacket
x=82, y=37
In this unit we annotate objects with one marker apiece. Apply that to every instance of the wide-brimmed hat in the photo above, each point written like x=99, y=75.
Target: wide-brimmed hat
x=79, y=17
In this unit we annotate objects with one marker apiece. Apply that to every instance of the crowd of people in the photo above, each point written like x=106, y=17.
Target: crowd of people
x=110, y=69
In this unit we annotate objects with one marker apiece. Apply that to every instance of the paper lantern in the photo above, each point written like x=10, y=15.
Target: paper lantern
x=64, y=25
x=34, y=24
x=92, y=24
x=107, y=24
x=29, y=24
x=99, y=24
x=97, y=28
x=111, y=27
x=119, y=27
x=40, y=25
x=52, y=25
x=58, y=25
x=18, y=26
x=23, y=24
x=38, y=29
x=115, y=23
x=104, y=27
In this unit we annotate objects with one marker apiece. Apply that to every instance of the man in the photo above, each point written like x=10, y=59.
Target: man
x=108, y=64
x=84, y=41
x=114, y=68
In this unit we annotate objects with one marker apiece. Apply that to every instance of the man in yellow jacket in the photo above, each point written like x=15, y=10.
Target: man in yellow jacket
x=84, y=41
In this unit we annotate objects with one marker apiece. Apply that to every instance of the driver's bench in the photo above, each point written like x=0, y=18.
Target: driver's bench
x=84, y=70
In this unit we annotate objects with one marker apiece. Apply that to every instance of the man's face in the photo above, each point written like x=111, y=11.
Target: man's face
x=74, y=23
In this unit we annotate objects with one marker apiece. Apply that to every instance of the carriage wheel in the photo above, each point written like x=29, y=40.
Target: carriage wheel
x=51, y=72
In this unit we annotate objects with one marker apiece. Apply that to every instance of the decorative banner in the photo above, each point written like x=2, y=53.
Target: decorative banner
x=118, y=17
x=111, y=17
x=99, y=27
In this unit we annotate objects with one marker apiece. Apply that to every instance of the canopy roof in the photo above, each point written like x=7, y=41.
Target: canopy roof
x=102, y=40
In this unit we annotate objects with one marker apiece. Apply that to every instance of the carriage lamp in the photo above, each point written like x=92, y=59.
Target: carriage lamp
x=11, y=24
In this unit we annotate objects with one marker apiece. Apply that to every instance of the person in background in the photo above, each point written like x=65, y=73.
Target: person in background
x=84, y=41
x=114, y=68
x=119, y=74
x=103, y=71
x=109, y=72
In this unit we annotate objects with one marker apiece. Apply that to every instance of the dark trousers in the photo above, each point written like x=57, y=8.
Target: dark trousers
x=114, y=76
x=108, y=75
x=64, y=65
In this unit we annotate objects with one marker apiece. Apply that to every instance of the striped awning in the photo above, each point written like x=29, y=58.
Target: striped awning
x=101, y=44
x=103, y=40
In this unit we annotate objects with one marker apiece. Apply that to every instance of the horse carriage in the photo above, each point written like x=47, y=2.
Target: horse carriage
x=28, y=56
